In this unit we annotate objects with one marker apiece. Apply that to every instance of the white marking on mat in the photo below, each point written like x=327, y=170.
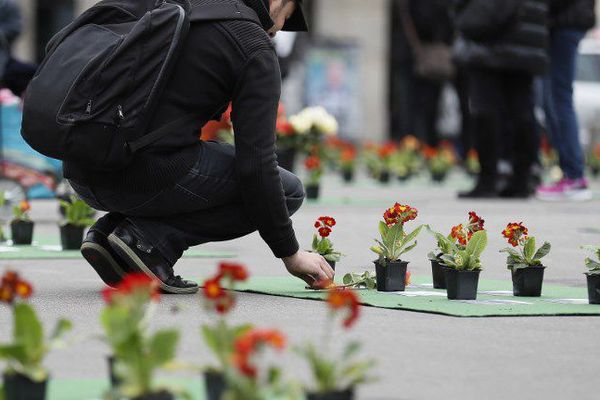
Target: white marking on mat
x=497, y=292
x=52, y=247
x=420, y=294
x=5, y=249
x=567, y=301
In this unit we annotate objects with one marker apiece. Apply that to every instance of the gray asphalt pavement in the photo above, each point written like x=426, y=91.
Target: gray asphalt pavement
x=419, y=356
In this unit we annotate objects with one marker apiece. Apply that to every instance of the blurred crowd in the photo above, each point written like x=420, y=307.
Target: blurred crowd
x=495, y=53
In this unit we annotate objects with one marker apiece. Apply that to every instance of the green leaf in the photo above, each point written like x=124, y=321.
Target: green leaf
x=29, y=332
x=13, y=352
x=383, y=229
x=529, y=249
x=163, y=346
x=515, y=267
x=315, y=242
x=413, y=235
x=592, y=264
x=477, y=244
x=351, y=350
x=511, y=252
x=210, y=338
x=542, y=251
x=62, y=327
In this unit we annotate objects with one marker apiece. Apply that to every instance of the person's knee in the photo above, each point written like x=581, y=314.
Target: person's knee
x=294, y=191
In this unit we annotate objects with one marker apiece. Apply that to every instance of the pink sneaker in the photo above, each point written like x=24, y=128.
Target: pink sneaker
x=565, y=190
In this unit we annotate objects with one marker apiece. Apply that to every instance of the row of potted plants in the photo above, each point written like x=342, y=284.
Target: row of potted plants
x=456, y=262
x=78, y=216
x=137, y=354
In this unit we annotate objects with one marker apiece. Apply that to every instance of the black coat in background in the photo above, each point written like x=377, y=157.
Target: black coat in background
x=508, y=35
x=576, y=14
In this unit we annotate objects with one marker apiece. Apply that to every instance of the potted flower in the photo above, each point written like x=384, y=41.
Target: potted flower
x=125, y=320
x=220, y=337
x=524, y=262
x=593, y=275
x=77, y=218
x=439, y=161
x=313, y=124
x=248, y=380
x=386, y=153
x=456, y=240
x=472, y=165
x=594, y=160
x=464, y=264
x=390, y=270
x=21, y=226
x=25, y=377
x=348, y=162
x=337, y=377
x=365, y=280
x=314, y=169
x=321, y=243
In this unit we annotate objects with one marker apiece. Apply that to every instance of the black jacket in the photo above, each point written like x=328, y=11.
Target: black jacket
x=576, y=14
x=503, y=34
x=224, y=62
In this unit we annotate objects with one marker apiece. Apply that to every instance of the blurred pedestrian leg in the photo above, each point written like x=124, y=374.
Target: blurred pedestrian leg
x=569, y=21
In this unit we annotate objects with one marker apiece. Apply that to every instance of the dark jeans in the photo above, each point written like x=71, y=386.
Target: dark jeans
x=205, y=206
x=495, y=97
x=562, y=124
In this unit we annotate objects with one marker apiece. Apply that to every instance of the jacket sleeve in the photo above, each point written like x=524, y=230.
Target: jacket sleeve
x=254, y=115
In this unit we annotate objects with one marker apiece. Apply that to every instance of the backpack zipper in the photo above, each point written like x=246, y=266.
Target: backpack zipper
x=88, y=109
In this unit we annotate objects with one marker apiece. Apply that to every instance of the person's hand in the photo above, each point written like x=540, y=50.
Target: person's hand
x=310, y=267
x=281, y=11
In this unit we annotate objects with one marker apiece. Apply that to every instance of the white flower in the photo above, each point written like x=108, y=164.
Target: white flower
x=317, y=118
x=300, y=123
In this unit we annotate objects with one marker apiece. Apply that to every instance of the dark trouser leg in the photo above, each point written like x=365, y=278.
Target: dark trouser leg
x=209, y=203
x=428, y=98
x=18, y=75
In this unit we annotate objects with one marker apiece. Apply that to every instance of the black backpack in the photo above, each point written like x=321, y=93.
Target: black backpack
x=96, y=91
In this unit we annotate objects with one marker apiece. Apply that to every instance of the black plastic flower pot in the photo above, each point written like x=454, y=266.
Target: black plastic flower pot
x=312, y=192
x=593, y=283
x=22, y=232
x=438, y=274
x=20, y=387
x=527, y=282
x=403, y=178
x=595, y=172
x=164, y=395
x=286, y=158
x=71, y=236
x=335, y=395
x=438, y=177
x=331, y=264
x=114, y=379
x=348, y=176
x=215, y=385
x=461, y=285
x=384, y=177
x=391, y=277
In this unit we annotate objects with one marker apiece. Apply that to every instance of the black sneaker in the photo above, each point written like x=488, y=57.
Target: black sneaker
x=140, y=255
x=97, y=252
x=483, y=190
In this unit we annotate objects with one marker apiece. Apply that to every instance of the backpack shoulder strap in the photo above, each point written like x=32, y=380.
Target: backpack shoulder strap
x=223, y=12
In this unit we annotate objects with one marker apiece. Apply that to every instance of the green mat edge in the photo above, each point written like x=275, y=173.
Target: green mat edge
x=583, y=313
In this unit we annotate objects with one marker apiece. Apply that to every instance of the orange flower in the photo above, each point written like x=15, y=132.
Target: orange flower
x=399, y=213
x=133, y=284
x=429, y=152
x=387, y=150
x=12, y=287
x=236, y=272
x=225, y=303
x=312, y=163
x=213, y=289
x=473, y=155
x=345, y=300
x=348, y=155
x=596, y=150
x=410, y=142
x=24, y=206
x=515, y=232
x=246, y=345
x=459, y=234
x=476, y=223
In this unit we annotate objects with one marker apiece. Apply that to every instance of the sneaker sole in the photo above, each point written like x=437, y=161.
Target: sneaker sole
x=101, y=260
x=124, y=251
x=575, y=197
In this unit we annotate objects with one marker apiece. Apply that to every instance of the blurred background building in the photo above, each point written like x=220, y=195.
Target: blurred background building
x=351, y=66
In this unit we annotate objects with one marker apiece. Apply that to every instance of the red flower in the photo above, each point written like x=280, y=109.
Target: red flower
x=235, y=272
x=133, y=284
x=246, y=345
x=212, y=289
x=387, y=150
x=408, y=278
x=324, y=225
x=515, y=232
x=12, y=287
x=284, y=128
x=399, y=213
x=459, y=234
x=348, y=155
x=345, y=300
x=225, y=303
x=476, y=223
x=429, y=152
x=324, y=232
x=313, y=162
